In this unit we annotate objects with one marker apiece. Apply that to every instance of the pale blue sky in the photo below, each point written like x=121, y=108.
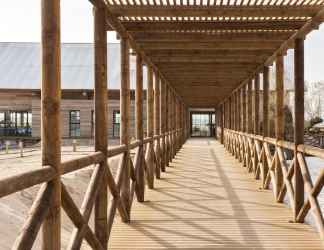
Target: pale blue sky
x=20, y=22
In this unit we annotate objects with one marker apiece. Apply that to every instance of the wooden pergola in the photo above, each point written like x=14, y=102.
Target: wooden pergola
x=198, y=54
x=205, y=49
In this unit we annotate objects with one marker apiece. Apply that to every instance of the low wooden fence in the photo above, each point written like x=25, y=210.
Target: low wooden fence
x=121, y=200
x=266, y=158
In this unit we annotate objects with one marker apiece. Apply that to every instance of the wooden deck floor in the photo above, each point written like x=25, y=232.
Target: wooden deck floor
x=206, y=200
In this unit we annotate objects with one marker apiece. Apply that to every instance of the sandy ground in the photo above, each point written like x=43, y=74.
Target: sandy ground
x=14, y=208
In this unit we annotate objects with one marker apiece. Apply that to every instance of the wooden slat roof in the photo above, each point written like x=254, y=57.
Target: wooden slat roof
x=205, y=49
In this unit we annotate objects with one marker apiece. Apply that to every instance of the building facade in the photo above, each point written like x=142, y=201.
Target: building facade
x=20, y=100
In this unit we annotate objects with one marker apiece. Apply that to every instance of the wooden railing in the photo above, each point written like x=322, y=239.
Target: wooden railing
x=265, y=158
x=137, y=166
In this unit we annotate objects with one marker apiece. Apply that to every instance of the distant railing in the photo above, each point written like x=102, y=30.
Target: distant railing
x=80, y=218
x=264, y=156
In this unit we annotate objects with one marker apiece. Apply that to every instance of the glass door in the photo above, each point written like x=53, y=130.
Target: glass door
x=202, y=124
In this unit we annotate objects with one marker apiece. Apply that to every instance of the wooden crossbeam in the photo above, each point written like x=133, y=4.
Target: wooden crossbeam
x=310, y=25
x=214, y=75
x=206, y=60
x=113, y=21
x=269, y=25
x=213, y=11
x=230, y=45
x=216, y=53
x=211, y=37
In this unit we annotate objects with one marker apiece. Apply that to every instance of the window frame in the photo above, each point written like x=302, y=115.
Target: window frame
x=72, y=134
x=116, y=125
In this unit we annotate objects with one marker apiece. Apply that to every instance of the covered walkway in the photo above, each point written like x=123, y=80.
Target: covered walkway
x=207, y=200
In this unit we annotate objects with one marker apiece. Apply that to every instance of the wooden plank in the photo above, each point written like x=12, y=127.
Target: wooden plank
x=190, y=37
x=230, y=217
x=37, y=214
x=273, y=25
x=213, y=11
x=202, y=45
x=50, y=109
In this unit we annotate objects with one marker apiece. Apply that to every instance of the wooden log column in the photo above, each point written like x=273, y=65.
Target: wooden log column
x=279, y=122
x=150, y=127
x=157, y=128
x=216, y=122
x=256, y=127
x=140, y=185
x=170, y=113
x=265, y=112
x=101, y=119
x=249, y=108
x=221, y=121
x=239, y=105
x=178, y=122
x=174, y=122
x=299, y=122
x=167, y=124
x=244, y=108
x=125, y=118
x=50, y=116
x=163, y=124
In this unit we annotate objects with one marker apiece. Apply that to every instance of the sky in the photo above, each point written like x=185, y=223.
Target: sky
x=22, y=24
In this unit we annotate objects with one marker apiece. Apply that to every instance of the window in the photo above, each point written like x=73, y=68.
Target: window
x=92, y=123
x=116, y=123
x=75, y=123
x=15, y=123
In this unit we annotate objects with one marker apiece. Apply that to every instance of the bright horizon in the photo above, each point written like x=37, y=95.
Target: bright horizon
x=23, y=25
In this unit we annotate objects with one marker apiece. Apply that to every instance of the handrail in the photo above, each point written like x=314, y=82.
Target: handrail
x=258, y=158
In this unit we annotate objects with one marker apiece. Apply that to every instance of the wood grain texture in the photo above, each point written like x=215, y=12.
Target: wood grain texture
x=207, y=201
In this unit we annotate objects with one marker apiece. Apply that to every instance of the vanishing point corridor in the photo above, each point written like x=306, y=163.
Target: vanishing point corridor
x=207, y=200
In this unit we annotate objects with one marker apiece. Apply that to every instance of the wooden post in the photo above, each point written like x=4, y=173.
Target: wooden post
x=124, y=117
x=50, y=116
x=256, y=104
x=101, y=118
x=244, y=108
x=167, y=124
x=238, y=94
x=234, y=111
x=140, y=185
x=163, y=124
x=230, y=114
x=216, y=122
x=150, y=126
x=170, y=124
x=173, y=125
x=221, y=123
x=178, y=123
x=249, y=113
x=265, y=101
x=265, y=129
x=157, y=129
x=279, y=123
x=299, y=122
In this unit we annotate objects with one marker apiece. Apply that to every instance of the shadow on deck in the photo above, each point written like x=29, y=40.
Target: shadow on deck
x=206, y=200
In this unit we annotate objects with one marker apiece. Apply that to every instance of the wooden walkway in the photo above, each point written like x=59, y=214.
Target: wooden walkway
x=206, y=200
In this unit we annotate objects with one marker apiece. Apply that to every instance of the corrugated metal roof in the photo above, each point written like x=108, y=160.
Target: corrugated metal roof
x=20, y=66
